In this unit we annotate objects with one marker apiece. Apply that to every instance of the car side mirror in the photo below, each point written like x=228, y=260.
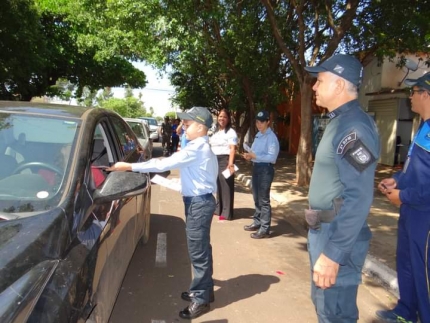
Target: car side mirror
x=118, y=185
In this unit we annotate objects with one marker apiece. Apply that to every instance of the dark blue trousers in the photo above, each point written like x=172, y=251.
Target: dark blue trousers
x=262, y=177
x=413, y=264
x=337, y=304
x=199, y=211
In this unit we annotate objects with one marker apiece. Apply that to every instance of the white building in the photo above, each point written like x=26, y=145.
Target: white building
x=383, y=95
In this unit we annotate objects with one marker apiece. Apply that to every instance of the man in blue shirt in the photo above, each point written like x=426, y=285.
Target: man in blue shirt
x=263, y=154
x=410, y=189
x=341, y=191
x=199, y=170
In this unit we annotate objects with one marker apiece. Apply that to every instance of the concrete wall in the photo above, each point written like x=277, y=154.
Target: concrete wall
x=385, y=77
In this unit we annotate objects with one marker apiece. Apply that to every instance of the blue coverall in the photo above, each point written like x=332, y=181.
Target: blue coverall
x=413, y=255
x=344, y=169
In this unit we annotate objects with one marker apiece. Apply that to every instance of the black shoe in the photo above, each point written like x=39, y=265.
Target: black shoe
x=251, y=227
x=259, y=235
x=186, y=296
x=194, y=310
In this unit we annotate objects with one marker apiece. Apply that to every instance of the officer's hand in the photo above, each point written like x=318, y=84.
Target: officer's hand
x=394, y=196
x=325, y=272
x=119, y=166
x=247, y=156
x=387, y=184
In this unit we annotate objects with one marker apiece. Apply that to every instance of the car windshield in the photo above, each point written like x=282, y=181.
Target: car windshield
x=137, y=129
x=151, y=122
x=35, y=154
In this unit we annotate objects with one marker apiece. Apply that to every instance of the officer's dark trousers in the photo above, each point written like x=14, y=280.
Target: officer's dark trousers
x=175, y=143
x=337, y=304
x=198, y=213
x=262, y=177
x=413, y=264
x=225, y=192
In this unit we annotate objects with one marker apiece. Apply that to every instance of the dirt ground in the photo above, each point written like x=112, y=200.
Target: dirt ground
x=292, y=200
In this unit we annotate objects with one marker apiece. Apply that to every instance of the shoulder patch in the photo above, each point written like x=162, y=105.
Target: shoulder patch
x=345, y=141
x=359, y=156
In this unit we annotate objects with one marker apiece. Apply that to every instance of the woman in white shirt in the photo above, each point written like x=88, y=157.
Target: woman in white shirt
x=223, y=143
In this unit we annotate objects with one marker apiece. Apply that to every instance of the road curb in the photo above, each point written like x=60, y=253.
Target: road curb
x=373, y=268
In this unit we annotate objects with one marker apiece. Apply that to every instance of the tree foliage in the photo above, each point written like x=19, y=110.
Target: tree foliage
x=223, y=56
x=128, y=107
x=23, y=51
x=308, y=32
x=79, y=41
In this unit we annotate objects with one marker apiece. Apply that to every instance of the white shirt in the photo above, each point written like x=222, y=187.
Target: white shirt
x=221, y=141
x=197, y=164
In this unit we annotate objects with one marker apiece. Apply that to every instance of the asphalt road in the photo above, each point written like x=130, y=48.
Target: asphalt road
x=255, y=280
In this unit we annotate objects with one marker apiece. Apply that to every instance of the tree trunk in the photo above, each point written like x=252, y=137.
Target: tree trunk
x=304, y=154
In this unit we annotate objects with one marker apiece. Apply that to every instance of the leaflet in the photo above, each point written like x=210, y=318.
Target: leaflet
x=172, y=184
x=227, y=174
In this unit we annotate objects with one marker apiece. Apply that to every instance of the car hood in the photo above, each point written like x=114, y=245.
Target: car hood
x=27, y=241
x=30, y=249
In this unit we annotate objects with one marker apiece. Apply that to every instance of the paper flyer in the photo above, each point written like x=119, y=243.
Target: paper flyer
x=160, y=180
x=227, y=174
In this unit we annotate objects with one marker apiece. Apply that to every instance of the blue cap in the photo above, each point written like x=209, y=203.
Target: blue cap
x=345, y=66
x=263, y=116
x=422, y=82
x=198, y=114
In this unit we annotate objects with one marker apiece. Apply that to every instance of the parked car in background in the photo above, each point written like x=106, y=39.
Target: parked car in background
x=68, y=228
x=142, y=132
x=153, y=128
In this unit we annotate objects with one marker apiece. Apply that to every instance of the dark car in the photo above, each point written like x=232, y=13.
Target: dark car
x=68, y=229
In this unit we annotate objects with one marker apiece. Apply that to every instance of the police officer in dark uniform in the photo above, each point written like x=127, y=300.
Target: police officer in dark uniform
x=341, y=191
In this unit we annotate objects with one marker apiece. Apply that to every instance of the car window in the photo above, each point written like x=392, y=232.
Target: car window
x=152, y=122
x=125, y=137
x=101, y=157
x=35, y=158
x=137, y=128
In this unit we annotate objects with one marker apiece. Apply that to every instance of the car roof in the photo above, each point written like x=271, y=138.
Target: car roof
x=43, y=109
x=133, y=120
x=50, y=109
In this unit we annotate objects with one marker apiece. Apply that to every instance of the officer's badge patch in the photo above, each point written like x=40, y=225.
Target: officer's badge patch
x=345, y=142
x=359, y=156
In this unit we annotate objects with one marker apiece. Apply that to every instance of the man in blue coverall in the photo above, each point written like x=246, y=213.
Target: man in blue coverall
x=341, y=191
x=410, y=189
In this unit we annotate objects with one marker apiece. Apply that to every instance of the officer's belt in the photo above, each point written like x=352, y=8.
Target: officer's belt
x=315, y=217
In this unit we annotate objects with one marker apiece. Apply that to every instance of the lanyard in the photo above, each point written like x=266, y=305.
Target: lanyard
x=415, y=138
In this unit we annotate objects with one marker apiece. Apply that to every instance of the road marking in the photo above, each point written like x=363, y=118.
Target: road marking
x=161, y=254
x=158, y=321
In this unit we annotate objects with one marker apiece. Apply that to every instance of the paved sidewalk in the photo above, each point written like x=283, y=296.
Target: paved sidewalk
x=289, y=201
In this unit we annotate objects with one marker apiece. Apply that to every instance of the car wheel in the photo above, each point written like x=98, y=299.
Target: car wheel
x=147, y=210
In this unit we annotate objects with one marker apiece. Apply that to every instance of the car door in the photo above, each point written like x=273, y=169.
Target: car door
x=122, y=133
x=125, y=225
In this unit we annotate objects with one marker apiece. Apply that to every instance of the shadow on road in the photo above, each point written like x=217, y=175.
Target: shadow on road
x=241, y=287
